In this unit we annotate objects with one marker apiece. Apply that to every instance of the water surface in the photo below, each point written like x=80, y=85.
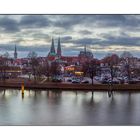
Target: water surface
x=54, y=107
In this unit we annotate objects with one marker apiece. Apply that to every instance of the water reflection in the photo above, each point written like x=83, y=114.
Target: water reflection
x=110, y=93
x=6, y=94
x=2, y=94
x=22, y=95
x=129, y=109
x=57, y=107
x=54, y=93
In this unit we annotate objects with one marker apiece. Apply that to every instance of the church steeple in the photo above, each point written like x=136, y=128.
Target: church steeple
x=52, y=50
x=15, y=53
x=59, y=48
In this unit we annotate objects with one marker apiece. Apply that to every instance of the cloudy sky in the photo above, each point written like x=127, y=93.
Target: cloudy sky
x=102, y=34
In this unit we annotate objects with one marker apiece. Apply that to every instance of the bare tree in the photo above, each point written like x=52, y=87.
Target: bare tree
x=90, y=69
x=46, y=69
x=128, y=68
x=112, y=62
x=34, y=63
x=43, y=69
x=3, y=67
x=126, y=54
x=6, y=55
x=127, y=59
x=55, y=69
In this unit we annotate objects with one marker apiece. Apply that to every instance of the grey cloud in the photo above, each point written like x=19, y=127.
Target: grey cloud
x=126, y=21
x=8, y=25
x=11, y=47
x=71, y=24
x=109, y=40
x=66, y=39
x=68, y=21
x=121, y=39
x=110, y=20
x=17, y=41
x=126, y=41
x=87, y=41
x=32, y=21
x=85, y=32
x=113, y=33
x=122, y=21
x=41, y=36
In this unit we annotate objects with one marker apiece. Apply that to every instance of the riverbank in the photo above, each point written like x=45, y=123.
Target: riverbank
x=69, y=86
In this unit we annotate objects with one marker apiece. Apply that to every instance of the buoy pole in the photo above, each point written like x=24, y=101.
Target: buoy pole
x=22, y=90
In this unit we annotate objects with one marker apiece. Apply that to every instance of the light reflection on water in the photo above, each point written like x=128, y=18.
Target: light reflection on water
x=56, y=107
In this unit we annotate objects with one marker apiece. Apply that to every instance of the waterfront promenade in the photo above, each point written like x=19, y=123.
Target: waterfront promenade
x=69, y=86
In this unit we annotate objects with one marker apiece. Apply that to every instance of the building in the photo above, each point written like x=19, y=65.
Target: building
x=59, y=48
x=52, y=52
x=52, y=49
x=15, y=53
x=85, y=55
x=70, y=60
x=57, y=56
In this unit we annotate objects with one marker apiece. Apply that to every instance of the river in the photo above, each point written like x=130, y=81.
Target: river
x=54, y=107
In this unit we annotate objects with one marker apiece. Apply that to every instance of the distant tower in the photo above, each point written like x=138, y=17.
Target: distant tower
x=52, y=50
x=59, y=48
x=15, y=53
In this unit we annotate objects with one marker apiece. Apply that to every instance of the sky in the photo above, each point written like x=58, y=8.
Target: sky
x=102, y=34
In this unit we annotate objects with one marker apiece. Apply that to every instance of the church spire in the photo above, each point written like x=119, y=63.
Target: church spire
x=52, y=50
x=15, y=53
x=59, y=48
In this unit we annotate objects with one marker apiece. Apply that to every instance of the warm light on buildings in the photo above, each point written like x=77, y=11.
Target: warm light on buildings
x=79, y=73
x=69, y=68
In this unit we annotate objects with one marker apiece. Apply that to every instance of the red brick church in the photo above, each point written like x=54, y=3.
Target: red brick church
x=56, y=55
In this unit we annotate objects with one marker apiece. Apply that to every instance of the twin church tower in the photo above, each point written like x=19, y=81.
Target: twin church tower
x=52, y=49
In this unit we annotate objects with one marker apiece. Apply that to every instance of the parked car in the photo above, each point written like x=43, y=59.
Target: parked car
x=69, y=80
x=85, y=81
x=105, y=81
x=57, y=79
x=97, y=78
x=76, y=81
x=110, y=82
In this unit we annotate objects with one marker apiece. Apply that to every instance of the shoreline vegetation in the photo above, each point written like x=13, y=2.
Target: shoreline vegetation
x=69, y=86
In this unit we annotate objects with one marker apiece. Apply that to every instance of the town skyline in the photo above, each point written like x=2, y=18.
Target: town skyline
x=102, y=34
x=69, y=84
x=24, y=54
